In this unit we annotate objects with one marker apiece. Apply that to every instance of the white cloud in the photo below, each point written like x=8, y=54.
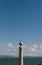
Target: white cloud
x=40, y=46
x=10, y=45
x=13, y=50
x=35, y=46
x=33, y=49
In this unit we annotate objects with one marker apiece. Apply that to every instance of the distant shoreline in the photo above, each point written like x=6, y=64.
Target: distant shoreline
x=6, y=56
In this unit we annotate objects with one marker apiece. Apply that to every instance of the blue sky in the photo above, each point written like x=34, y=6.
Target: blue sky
x=20, y=20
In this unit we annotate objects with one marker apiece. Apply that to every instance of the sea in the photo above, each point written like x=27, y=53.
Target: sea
x=26, y=61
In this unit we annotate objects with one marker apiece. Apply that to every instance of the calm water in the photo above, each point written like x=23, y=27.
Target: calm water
x=14, y=61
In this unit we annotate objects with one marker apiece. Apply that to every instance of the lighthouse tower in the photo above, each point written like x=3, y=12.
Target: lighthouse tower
x=20, y=53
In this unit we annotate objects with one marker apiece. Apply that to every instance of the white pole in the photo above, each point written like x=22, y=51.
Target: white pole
x=20, y=53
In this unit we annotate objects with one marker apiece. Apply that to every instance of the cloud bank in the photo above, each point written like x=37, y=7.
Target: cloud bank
x=13, y=50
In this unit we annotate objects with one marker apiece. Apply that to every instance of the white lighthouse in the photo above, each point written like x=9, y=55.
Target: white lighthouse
x=20, y=53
